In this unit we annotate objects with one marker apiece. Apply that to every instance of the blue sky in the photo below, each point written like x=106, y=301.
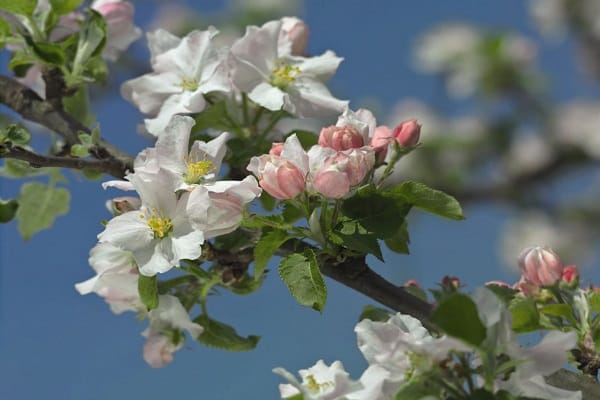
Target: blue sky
x=55, y=343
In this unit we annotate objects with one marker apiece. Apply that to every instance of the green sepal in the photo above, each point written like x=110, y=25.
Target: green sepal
x=457, y=316
x=148, y=291
x=15, y=134
x=47, y=53
x=222, y=336
x=301, y=275
x=400, y=241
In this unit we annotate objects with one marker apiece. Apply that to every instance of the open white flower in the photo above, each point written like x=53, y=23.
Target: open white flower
x=169, y=315
x=200, y=164
x=319, y=382
x=159, y=234
x=279, y=81
x=116, y=278
x=184, y=71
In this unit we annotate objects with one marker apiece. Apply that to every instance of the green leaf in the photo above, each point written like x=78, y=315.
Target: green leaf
x=375, y=210
x=92, y=38
x=148, y=290
x=504, y=293
x=48, y=53
x=8, y=209
x=307, y=139
x=65, y=6
x=399, y=242
x=222, y=336
x=79, y=150
x=211, y=117
x=290, y=212
x=4, y=32
x=352, y=235
x=269, y=243
x=428, y=199
x=457, y=316
x=246, y=285
x=525, y=314
x=375, y=314
x=39, y=205
x=77, y=105
x=21, y=7
x=594, y=300
x=17, y=134
x=559, y=310
x=19, y=169
x=302, y=276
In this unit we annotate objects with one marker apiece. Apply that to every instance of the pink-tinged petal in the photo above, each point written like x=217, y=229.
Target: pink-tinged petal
x=321, y=67
x=197, y=207
x=161, y=41
x=332, y=183
x=293, y=151
x=158, y=350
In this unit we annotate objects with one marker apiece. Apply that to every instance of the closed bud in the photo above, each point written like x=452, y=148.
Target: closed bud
x=282, y=179
x=341, y=138
x=380, y=141
x=540, y=266
x=407, y=133
x=276, y=149
x=570, y=275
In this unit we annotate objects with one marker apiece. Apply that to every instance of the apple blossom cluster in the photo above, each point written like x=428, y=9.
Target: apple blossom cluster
x=343, y=158
x=120, y=33
x=405, y=360
x=181, y=204
x=266, y=65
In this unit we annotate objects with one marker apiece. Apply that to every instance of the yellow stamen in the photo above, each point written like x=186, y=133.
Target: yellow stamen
x=197, y=170
x=161, y=226
x=314, y=386
x=283, y=74
x=189, y=84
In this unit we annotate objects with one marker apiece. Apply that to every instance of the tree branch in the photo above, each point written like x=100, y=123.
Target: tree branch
x=32, y=107
x=37, y=160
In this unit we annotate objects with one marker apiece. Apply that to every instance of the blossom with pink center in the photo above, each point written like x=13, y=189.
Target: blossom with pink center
x=341, y=170
x=341, y=138
x=540, y=266
x=283, y=176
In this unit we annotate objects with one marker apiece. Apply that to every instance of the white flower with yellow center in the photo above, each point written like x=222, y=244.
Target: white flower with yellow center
x=159, y=234
x=184, y=70
x=278, y=80
x=199, y=164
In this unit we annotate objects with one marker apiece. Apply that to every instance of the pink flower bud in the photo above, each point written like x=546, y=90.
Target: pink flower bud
x=341, y=138
x=407, y=133
x=526, y=288
x=281, y=179
x=276, y=149
x=331, y=183
x=540, y=266
x=570, y=274
x=451, y=282
x=497, y=283
x=296, y=32
x=158, y=350
x=412, y=283
x=116, y=13
x=380, y=141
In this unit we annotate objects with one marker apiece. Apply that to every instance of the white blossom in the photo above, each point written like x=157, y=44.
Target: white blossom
x=184, y=70
x=281, y=81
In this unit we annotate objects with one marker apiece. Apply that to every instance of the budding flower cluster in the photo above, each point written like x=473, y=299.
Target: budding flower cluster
x=540, y=266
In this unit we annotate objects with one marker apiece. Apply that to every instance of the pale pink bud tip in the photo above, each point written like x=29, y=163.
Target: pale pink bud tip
x=407, y=133
x=297, y=33
x=341, y=138
x=540, y=266
x=276, y=149
x=451, y=282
